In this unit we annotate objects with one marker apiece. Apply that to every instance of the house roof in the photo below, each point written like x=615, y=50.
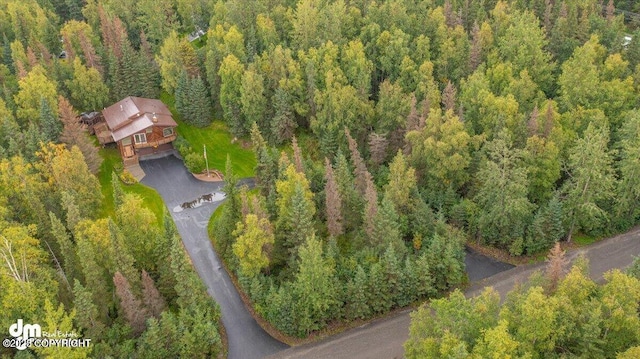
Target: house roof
x=133, y=114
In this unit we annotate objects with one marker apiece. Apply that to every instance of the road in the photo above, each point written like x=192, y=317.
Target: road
x=170, y=178
x=383, y=339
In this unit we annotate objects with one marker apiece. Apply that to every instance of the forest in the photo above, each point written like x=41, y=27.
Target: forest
x=388, y=134
x=553, y=315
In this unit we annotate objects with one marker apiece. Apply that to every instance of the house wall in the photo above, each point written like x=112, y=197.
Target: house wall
x=154, y=138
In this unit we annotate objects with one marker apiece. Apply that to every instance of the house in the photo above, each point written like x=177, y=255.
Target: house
x=141, y=127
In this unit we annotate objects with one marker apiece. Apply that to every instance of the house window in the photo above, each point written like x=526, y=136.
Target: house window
x=140, y=138
x=126, y=141
x=149, y=130
x=168, y=131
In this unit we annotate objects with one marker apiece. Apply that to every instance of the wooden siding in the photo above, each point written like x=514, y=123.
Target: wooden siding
x=155, y=138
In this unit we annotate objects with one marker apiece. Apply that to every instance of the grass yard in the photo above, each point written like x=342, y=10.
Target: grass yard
x=218, y=141
x=151, y=198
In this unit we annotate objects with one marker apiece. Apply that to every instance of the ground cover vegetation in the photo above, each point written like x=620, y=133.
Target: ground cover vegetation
x=426, y=124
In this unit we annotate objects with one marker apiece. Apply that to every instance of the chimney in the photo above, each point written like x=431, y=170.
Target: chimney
x=155, y=118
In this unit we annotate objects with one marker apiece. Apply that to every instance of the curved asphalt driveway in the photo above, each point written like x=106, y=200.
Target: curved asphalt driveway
x=170, y=178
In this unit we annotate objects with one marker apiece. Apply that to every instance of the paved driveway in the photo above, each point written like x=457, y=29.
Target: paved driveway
x=170, y=178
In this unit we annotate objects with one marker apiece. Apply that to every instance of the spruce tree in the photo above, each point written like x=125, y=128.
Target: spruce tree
x=68, y=252
x=199, y=102
x=118, y=193
x=314, y=287
x=153, y=300
x=283, y=123
x=352, y=202
x=123, y=261
x=393, y=274
x=357, y=306
x=333, y=202
x=299, y=221
x=87, y=315
x=182, y=97
x=74, y=134
x=49, y=122
x=134, y=312
x=386, y=230
x=546, y=228
x=362, y=175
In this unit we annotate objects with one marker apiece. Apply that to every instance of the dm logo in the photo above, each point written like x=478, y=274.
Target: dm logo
x=22, y=332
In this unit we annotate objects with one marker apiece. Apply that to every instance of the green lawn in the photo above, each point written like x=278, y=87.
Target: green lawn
x=218, y=141
x=151, y=198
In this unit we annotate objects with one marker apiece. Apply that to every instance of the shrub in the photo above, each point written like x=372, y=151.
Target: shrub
x=127, y=178
x=182, y=146
x=194, y=162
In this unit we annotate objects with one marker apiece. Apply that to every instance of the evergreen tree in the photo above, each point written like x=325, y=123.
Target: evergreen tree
x=376, y=290
x=68, y=253
x=161, y=339
x=295, y=214
x=352, y=202
x=230, y=216
x=546, y=227
x=49, y=122
x=118, y=193
x=230, y=74
x=199, y=102
x=357, y=306
x=502, y=195
x=181, y=96
x=123, y=262
x=425, y=287
x=445, y=257
x=628, y=189
x=393, y=274
x=74, y=9
x=556, y=266
x=314, y=288
x=333, y=202
x=591, y=181
x=87, y=315
x=132, y=308
x=34, y=139
x=153, y=300
x=299, y=221
x=74, y=134
x=283, y=123
x=386, y=231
